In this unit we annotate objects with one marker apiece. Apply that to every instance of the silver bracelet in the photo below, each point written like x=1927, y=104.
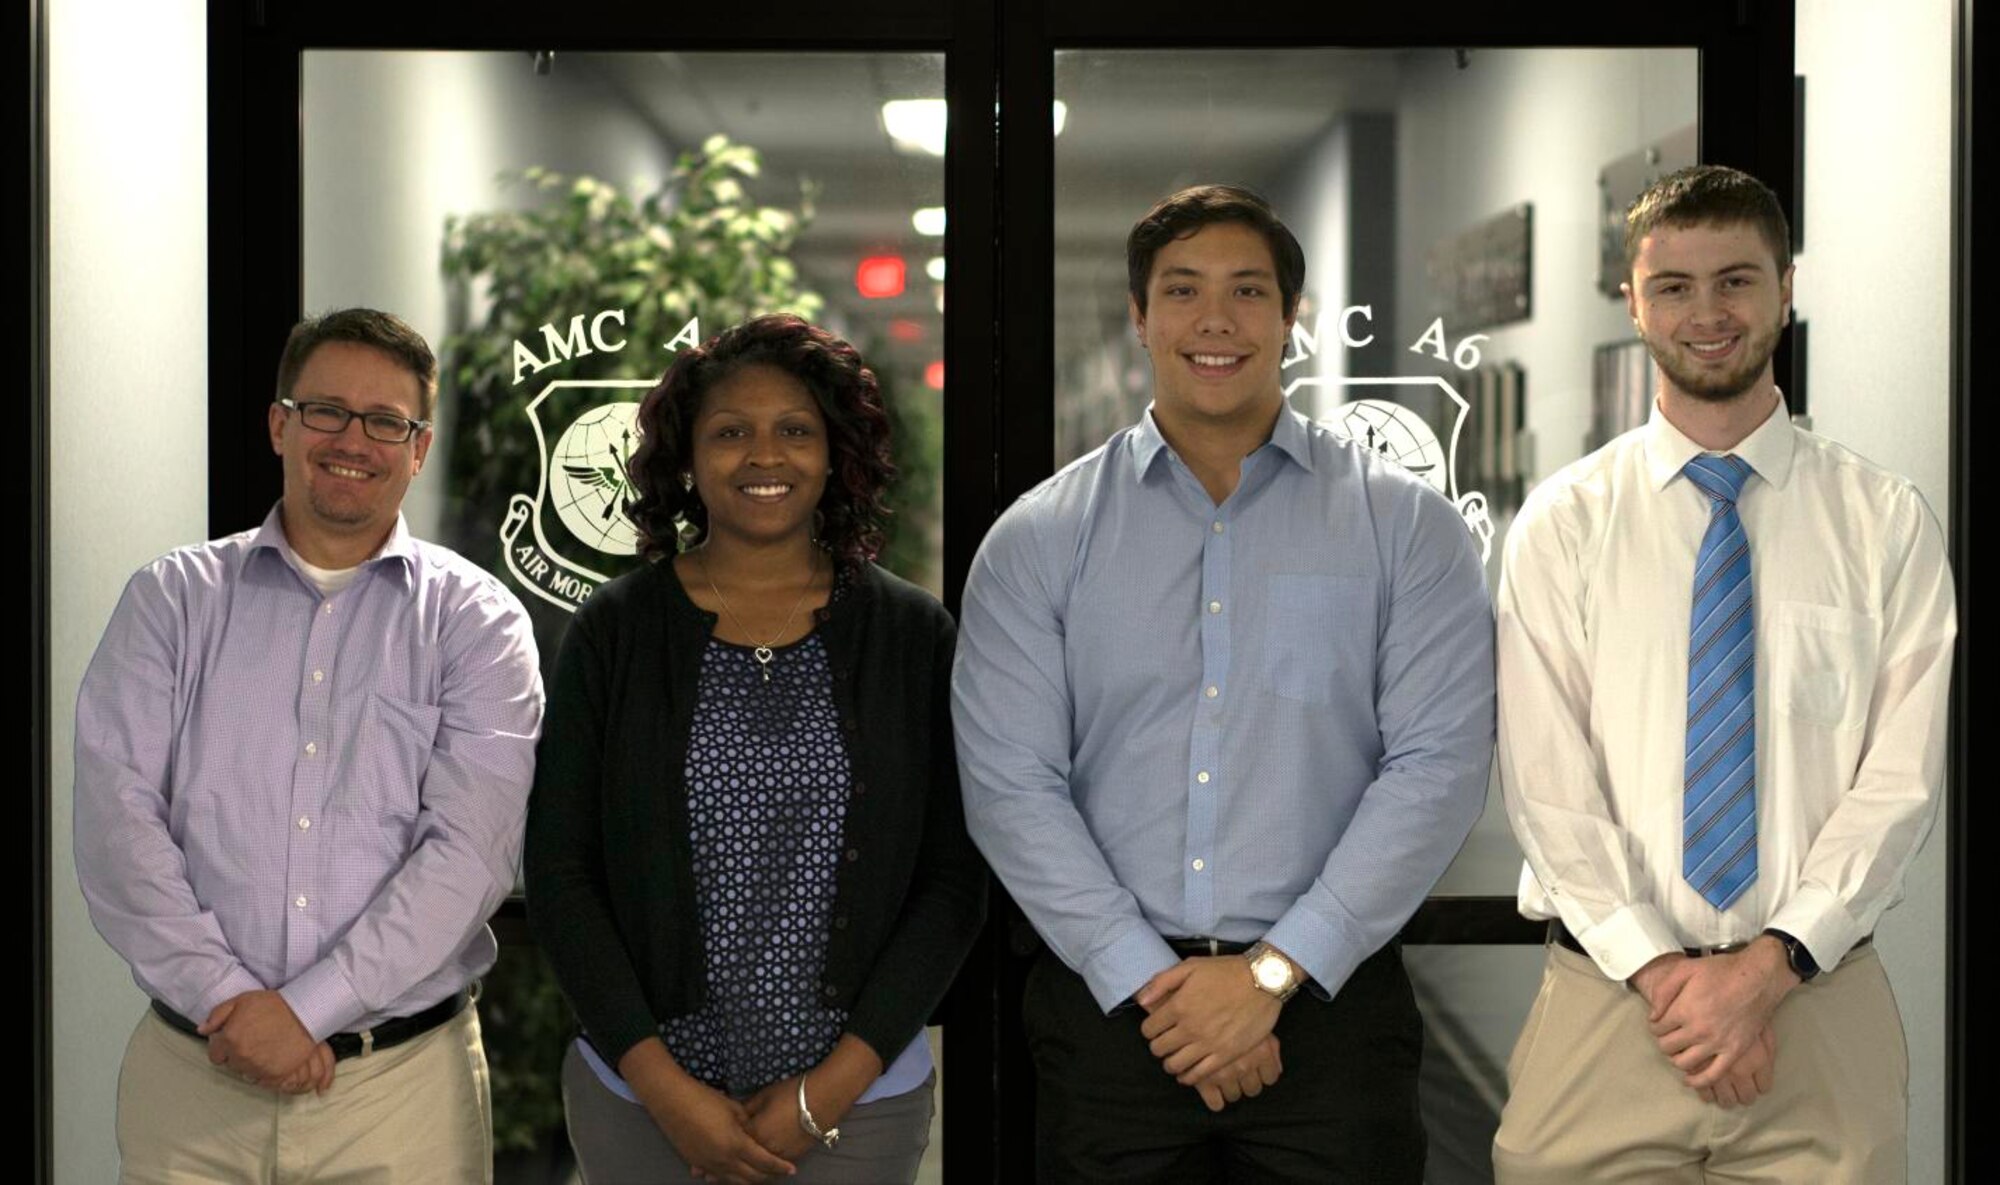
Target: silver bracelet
x=830, y=1137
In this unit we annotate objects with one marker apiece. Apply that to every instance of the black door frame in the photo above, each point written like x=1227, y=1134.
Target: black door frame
x=1746, y=70
x=255, y=239
x=999, y=189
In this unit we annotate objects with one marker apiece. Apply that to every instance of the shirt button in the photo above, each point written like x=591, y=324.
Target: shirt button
x=327, y=608
x=305, y=824
x=318, y=675
x=1215, y=606
x=1202, y=777
x=1216, y=526
x=311, y=748
x=853, y=854
x=840, y=922
x=1199, y=864
x=300, y=902
x=830, y=991
x=1212, y=691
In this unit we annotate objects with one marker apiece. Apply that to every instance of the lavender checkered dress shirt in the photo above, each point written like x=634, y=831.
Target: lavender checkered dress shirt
x=318, y=795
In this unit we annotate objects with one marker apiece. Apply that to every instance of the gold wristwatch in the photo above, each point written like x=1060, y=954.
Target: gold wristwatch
x=1272, y=972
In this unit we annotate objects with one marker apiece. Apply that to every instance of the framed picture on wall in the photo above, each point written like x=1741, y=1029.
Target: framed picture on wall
x=1621, y=391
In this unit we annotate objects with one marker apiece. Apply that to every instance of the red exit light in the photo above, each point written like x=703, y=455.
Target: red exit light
x=879, y=276
x=934, y=375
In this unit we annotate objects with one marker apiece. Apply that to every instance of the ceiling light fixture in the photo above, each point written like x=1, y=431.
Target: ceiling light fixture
x=929, y=221
x=918, y=125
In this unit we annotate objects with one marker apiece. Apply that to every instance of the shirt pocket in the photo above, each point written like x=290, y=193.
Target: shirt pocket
x=392, y=754
x=1822, y=664
x=1302, y=649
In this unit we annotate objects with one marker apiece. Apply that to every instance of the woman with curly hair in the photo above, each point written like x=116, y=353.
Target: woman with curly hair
x=746, y=857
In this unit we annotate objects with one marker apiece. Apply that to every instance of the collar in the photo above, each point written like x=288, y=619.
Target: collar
x=1289, y=436
x=1767, y=450
x=400, y=546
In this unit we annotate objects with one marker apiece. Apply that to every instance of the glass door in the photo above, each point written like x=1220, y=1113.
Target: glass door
x=1438, y=166
x=1458, y=184
x=561, y=225
x=1453, y=206
x=560, y=215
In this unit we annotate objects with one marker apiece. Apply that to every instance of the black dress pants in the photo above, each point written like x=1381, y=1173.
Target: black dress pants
x=1345, y=1109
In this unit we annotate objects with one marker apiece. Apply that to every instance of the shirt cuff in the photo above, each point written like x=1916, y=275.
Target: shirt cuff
x=228, y=987
x=1817, y=918
x=323, y=1000
x=1118, y=971
x=1328, y=955
x=1627, y=940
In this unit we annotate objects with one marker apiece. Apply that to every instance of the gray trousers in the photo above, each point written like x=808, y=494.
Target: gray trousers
x=617, y=1143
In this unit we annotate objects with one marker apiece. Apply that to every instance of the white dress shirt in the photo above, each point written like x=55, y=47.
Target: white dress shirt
x=1855, y=621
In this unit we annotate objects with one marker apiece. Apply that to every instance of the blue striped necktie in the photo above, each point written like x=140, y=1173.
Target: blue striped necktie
x=1719, y=804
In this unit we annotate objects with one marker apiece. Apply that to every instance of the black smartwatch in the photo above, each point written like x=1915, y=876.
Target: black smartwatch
x=1801, y=960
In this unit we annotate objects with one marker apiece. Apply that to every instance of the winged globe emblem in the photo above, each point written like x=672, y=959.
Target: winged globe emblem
x=562, y=538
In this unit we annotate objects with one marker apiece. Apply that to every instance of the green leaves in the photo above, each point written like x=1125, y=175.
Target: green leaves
x=696, y=246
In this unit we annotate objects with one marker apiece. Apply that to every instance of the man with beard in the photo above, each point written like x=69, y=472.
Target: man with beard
x=302, y=765
x=1725, y=654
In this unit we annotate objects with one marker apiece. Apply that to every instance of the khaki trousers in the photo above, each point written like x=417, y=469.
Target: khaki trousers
x=419, y=1112
x=1592, y=1099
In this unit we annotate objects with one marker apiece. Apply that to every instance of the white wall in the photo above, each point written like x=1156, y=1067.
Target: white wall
x=1531, y=126
x=1321, y=191
x=128, y=358
x=1536, y=126
x=1874, y=281
x=396, y=140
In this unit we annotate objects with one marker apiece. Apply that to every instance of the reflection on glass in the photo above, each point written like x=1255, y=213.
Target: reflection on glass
x=561, y=236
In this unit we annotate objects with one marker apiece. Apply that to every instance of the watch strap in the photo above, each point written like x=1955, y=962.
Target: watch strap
x=1259, y=953
x=1797, y=956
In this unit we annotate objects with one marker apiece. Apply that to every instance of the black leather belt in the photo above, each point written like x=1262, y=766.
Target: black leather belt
x=1560, y=935
x=389, y=1033
x=1207, y=946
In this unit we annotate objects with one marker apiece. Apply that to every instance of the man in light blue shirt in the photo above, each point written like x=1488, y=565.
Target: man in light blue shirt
x=1224, y=700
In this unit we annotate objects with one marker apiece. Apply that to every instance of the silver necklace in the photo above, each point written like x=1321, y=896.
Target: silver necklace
x=762, y=653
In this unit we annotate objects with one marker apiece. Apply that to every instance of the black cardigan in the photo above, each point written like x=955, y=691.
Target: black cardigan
x=610, y=878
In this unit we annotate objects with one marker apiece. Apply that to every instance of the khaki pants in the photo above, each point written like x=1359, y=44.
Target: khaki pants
x=1593, y=1100
x=419, y=1112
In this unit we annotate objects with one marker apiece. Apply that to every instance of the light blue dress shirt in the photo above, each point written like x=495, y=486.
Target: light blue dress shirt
x=1271, y=718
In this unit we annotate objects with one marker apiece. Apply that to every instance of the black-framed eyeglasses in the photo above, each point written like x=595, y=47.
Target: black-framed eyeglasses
x=386, y=427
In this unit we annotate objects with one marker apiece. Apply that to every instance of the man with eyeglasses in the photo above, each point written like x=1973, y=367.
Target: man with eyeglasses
x=302, y=764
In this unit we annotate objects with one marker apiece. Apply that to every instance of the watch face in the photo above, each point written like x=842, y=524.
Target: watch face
x=1272, y=974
